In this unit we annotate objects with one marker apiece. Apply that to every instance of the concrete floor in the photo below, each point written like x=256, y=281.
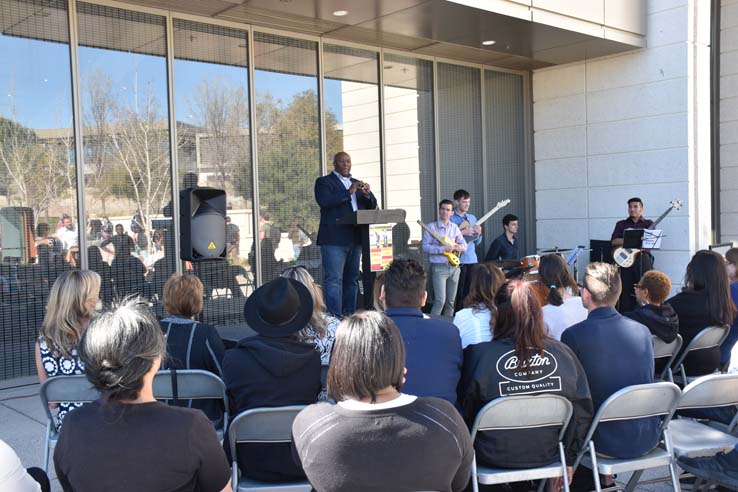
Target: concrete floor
x=23, y=424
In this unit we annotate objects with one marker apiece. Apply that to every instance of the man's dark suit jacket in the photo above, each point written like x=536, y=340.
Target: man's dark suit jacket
x=335, y=202
x=615, y=352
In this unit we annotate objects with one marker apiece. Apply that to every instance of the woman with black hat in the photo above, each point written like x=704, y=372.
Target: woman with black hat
x=273, y=369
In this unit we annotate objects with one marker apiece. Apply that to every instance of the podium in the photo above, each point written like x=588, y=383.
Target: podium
x=362, y=219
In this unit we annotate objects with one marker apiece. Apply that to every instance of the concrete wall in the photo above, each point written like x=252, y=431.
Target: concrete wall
x=729, y=121
x=634, y=124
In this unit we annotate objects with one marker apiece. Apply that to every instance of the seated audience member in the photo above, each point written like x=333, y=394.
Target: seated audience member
x=375, y=437
x=127, y=440
x=615, y=352
x=731, y=258
x=96, y=264
x=191, y=345
x=704, y=301
x=377, y=292
x=475, y=321
x=564, y=306
x=520, y=336
x=128, y=272
x=15, y=478
x=432, y=345
x=275, y=368
x=321, y=330
x=72, y=302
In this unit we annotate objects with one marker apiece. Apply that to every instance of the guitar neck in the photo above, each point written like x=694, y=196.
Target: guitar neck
x=488, y=215
x=660, y=218
x=431, y=232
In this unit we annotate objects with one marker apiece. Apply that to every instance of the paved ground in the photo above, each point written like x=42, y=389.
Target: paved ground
x=23, y=423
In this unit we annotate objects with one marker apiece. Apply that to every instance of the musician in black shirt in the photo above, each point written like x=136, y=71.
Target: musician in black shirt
x=505, y=247
x=630, y=276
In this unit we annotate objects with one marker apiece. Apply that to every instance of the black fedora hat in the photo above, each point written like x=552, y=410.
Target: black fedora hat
x=279, y=308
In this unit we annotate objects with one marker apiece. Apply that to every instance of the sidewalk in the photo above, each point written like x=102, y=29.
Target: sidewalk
x=23, y=423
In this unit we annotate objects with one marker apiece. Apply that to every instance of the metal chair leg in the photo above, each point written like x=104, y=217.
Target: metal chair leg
x=565, y=475
x=634, y=479
x=47, y=447
x=475, y=483
x=595, y=471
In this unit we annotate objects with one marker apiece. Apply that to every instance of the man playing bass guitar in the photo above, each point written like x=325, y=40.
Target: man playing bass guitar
x=630, y=276
x=444, y=275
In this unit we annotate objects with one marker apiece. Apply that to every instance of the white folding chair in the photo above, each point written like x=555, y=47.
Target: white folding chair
x=693, y=439
x=633, y=402
x=192, y=384
x=522, y=412
x=712, y=336
x=262, y=425
x=59, y=389
x=662, y=350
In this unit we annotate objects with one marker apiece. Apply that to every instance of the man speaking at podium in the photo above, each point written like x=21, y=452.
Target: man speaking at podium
x=338, y=194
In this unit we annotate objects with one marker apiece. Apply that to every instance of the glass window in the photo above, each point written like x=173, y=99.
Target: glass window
x=123, y=85
x=410, y=148
x=351, y=88
x=38, y=212
x=506, y=177
x=214, y=149
x=288, y=139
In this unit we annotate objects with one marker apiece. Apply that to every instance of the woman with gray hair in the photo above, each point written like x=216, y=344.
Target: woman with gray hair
x=127, y=440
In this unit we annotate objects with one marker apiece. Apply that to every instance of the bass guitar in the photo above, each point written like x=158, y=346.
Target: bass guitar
x=502, y=203
x=451, y=256
x=625, y=257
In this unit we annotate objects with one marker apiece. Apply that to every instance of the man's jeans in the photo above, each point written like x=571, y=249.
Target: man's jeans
x=340, y=275
x=445, y=282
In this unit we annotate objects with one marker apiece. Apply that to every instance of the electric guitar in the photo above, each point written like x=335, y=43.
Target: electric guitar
x=625, y=257
x=451, y=256
x=502, y=203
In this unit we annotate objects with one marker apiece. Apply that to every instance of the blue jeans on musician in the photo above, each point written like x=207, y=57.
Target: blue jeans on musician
x=445, y=283
x=340, y=277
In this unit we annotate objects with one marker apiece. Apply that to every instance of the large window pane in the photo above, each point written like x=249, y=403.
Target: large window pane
x=214, y=148
x=460, y=133
x=123, y=83
x=288, y=139
x=505, y=150
x=37, y=172
x=410, y=149
x=351, y=88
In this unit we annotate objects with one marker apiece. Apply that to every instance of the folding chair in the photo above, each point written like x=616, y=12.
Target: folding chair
x=634, y=402
x=522, y=412
x=693, y=439
x=712, y=336
x=661, y=350
x=262, y=425
x=192, y=384
x=59, y=389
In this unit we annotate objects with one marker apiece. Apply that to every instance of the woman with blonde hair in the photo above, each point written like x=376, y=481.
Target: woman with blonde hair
x=321, y=330
x=72, y=303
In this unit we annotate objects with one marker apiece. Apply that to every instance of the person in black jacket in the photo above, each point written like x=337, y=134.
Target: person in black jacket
x=191, y=345
x=273, y=369
x=658, y=316
x=493, y=369
x=704, y=301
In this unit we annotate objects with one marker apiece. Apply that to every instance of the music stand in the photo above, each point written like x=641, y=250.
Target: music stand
x=633, y=238
x=601, y=250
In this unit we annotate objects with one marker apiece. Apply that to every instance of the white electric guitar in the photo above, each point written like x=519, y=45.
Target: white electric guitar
x=502, y=203
x=625, y=257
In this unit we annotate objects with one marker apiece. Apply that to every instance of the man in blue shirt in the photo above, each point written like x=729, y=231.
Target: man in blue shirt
x=615, y=352
x=433, y=346
x=444, y=275
x=473, y=235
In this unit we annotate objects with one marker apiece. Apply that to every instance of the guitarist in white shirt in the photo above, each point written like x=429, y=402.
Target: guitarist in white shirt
x=631, y=275
x=473, y=235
